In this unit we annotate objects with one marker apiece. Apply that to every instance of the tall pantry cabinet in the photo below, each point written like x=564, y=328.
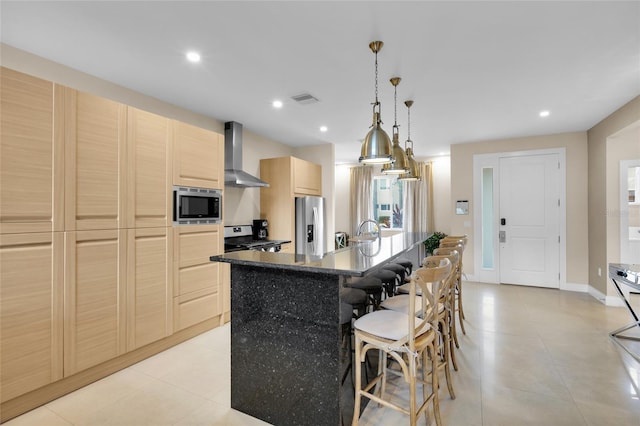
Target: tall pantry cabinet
x=86, y=238
x=289, y=177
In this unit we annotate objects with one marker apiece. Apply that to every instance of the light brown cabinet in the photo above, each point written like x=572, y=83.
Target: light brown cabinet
x=88, y=277
x=31, y=280
x=198, y=158
x=32, y=154
x=149, y=285
x=307, y=177
x=149, y=201
x=94, y=302
x=197, y=280
x=289, y=177
x=95, y=133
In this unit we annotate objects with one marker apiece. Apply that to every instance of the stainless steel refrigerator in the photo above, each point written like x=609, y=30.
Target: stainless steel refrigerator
x=311, y=236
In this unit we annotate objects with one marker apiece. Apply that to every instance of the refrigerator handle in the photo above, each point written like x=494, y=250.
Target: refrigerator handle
x=314, y=219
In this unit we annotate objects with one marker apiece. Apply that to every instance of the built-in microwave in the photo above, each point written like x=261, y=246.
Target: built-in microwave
x=196, y=206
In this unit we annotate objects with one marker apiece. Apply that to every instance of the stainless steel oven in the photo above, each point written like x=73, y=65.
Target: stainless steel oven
x=196, y=206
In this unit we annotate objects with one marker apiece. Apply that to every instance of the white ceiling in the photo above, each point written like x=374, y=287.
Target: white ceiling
x=476, y=70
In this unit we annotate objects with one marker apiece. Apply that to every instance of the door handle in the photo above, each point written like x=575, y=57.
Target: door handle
x=502, y=236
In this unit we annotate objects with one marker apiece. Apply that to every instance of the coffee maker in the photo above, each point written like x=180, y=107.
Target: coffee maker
x=260, y=231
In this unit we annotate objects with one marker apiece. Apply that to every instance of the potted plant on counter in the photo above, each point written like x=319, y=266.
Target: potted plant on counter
x=433, y=242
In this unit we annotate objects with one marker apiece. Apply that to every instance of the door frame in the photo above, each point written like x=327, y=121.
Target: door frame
x=624, y=205
x=492, y=160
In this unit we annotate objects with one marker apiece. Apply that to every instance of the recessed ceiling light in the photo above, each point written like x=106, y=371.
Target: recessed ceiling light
x=544, y=113
x=277, y=104
x=193, y=56
x=323, y=128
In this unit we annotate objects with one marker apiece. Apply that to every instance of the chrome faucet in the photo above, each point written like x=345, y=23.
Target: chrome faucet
x=376, y=228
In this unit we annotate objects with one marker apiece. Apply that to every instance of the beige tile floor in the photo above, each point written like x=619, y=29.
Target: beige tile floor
x=530, y=357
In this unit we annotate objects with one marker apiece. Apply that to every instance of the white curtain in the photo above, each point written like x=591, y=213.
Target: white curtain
x=361, y=202
x=417, y=203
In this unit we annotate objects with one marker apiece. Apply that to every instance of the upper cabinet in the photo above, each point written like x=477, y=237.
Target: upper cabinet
x=95, y=134
x=31, y=154
x=307, y=177
x=198, y=157
x=149, y=145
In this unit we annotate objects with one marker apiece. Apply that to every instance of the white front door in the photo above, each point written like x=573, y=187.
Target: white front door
x=529, y=220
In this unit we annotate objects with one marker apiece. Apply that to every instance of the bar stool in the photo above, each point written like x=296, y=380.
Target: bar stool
x=372, y=286
x=400, y=272
x=355, y=297
x=388, y=279
x=408, y=265
x=459, y=246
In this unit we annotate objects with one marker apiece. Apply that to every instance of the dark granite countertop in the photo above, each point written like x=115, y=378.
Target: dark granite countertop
x=355, y=260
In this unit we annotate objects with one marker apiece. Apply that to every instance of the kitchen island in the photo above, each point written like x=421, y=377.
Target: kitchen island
x=285, y=329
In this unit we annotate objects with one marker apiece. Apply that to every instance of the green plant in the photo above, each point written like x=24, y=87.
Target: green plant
x=433, y=242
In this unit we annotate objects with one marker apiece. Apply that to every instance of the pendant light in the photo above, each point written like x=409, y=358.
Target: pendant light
x=400, y=163
x=414, y=170
x=376, y=147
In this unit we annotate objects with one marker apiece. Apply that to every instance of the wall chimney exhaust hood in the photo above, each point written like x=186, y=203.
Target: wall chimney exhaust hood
x=233, y=173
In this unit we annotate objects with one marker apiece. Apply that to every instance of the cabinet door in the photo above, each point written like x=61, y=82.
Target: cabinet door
x=95, y=131
x=198, y=157
x=196, y=283
x=30, y=311
x=307, y=177
x=149, y=290
x=32, y=147
x=94, y=305
x=149, y=170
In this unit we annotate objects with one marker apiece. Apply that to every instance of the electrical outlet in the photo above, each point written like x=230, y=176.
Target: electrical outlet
x=599, y=272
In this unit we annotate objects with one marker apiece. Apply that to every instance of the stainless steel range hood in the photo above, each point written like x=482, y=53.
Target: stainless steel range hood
x=233, y=173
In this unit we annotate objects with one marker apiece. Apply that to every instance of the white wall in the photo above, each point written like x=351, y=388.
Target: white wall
x=343, y=194
x=443, y=205
x=577, y=231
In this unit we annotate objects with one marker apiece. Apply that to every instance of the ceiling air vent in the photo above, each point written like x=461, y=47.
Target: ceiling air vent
x=305, y=99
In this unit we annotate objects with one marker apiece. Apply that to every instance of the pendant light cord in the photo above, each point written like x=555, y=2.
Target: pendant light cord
x=395, y=106
x=376, y=78
x=409, y=124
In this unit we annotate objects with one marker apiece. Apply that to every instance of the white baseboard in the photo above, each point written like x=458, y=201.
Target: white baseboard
x=581, y=288
x=606, y=300
x=614, y=301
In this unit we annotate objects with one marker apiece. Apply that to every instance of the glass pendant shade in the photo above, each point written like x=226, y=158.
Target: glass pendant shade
x=400, y=162
x=376, y=147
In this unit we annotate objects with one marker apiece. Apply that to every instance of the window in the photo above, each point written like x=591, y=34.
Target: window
x=387, y=201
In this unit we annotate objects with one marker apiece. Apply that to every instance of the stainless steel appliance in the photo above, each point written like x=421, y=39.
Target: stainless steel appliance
x=629, y=275
x=240, y=237
x=260, y=229
x=196, y=206
x=233, y=173
x=311, y=239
